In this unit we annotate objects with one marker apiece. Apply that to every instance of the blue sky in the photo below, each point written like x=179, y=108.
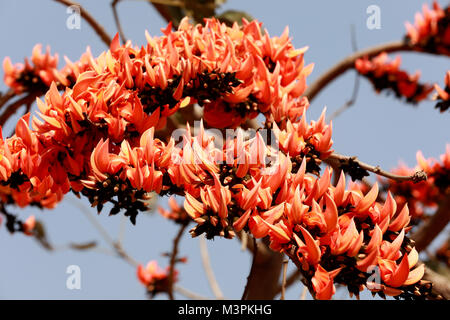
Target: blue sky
x=379, y=129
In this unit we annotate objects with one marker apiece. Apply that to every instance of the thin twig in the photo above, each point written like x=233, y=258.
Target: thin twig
x=283, y=281
x=250, y=275
x=354, y=95
x=13, y=107
x=244, y=240
x=121, y=235
x=290, y=280
x=117, y=20
x=98, y=28
x=173, y=259
x=213, y=284
x=338, y=159
x=304, y=292
x=119, y=250
x=189, y=294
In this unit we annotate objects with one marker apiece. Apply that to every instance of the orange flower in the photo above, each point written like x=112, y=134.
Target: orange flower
x=443, y=95
x=323, y=283
x=385, y=74
x=431, y=29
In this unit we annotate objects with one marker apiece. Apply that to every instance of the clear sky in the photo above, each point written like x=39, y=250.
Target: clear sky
x=379, y=129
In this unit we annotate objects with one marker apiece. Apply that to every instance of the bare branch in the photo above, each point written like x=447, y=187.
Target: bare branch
x=290, y=280
x=189, y=294
x=251, y=273
x=440, y=284
x=13, y=107
x=117, y=20
x=173, y=259
x=304, y=292
x=283, y=281
x=91, y=20
x=118, y=249
x=338, y=159
x=6, y=97
x=429, y=230
x=354, y=95
x=213, y=284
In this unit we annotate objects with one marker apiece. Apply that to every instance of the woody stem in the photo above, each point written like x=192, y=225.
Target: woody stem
x=173, y=259
x=336, y=160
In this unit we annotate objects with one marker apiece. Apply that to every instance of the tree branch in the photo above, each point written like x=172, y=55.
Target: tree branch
x=440, y=284
x=173, y=259
x=117, y=20
x=13, y=107
x=429, y=230
x=208, y=269
x=91, y=20
x=336, y=159
x=283, y=281
x=252, y=268
x=349, y=62
x=6, y=97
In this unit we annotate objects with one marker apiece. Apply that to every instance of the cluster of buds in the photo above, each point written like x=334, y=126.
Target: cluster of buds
x=443, y=95
x=386, y=75
x=431, y=30
x=155, y=279
x=423, y=195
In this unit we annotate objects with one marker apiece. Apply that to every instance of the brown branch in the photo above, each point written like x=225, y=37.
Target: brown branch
x=354, y=95
x=336, y=159
x=429, y=230
x=171, y=11
x=208, y=269
x=13, y=107
x=264, y=284
x=189, y=294
x=349, y=62
x=6, y=97
x=173, y=259
x=252, y=268
x=117, y=20
x=349, y=102
x=283, y=281
x=89, y=19
x=440, y=284
x=290, y=280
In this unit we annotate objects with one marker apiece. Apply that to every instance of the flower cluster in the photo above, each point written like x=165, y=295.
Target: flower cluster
x=443, y=95
x=385, y=74
x=431, y=30
x=35, y=76
x=423, y=195
x=99, y=138
x=341, y=236
x=155, y=279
